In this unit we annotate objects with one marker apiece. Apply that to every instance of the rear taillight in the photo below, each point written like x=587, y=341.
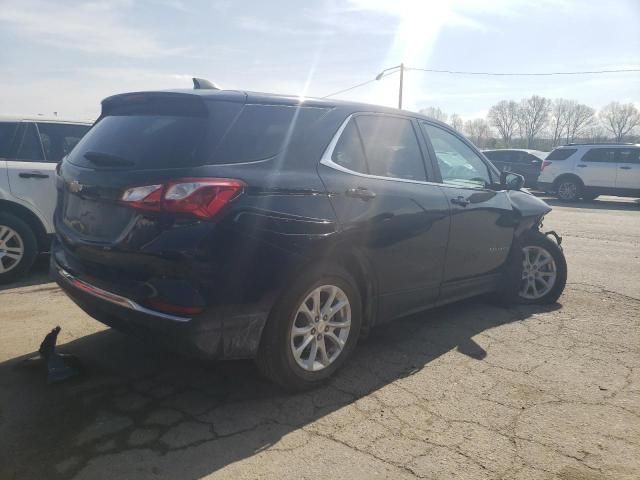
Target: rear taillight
x=546, y=163
x=199, y=197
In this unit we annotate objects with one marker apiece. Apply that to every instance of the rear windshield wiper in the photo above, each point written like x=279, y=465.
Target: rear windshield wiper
x=107, y=160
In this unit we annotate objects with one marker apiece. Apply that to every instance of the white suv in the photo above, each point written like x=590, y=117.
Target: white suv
x=29, y=152
x=587, y=170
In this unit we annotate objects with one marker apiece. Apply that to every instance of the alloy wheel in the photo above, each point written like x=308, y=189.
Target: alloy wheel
x=538, y=273
x=11, y=248
x=567, y=191
x=320, y=328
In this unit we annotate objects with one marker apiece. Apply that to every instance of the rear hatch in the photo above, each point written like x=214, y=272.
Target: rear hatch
x=147, y=199
x=110, y=230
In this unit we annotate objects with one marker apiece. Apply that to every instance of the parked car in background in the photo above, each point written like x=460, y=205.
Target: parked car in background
x=521, y=161
x=29, y=152
x=587, y=170
x=233, y=224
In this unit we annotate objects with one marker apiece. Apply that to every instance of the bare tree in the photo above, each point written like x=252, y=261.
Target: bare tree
x=478, y=131
x=456, y=122
x=559, y=119
x=579, y=118
x=533, y=116
x=595, y=132
x=504, y=116
x=620, y=119
x=435, y=112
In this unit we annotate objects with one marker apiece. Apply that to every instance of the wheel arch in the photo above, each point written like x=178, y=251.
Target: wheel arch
x=356, y=265
x=565, y=176
x=362, y=272
x=30, y=218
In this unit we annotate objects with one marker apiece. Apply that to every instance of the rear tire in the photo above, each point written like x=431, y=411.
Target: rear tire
x=277, y=358
x=18, y=248
x=568, y=190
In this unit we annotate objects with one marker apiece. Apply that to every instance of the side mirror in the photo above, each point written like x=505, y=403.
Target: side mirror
x=511, y=181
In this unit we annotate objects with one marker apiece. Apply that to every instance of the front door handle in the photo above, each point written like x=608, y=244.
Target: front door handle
x=361, y=192
x=463, y=202
x=625, y=168
x=32, y=175
x=582, y=166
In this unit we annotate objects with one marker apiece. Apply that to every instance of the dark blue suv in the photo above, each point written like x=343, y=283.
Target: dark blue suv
x=232, y=224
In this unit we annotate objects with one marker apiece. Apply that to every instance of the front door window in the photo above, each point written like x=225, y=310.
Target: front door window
x=459, y=164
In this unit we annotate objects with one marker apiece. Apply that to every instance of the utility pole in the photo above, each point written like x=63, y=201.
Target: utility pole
x=400, y=91
x=397, y=68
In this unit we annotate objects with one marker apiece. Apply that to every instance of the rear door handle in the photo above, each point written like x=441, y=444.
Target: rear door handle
x=463, y=202
x=582, y=166
x=361, y=192
x=625, y=168
x=32, y=175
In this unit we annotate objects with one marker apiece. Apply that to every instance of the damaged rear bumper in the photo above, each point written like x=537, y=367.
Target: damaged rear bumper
x=222, y=332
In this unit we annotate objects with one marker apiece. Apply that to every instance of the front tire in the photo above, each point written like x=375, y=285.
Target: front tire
x=568, y=190
x=543, y=274
x=18, y=248
x=312, y=330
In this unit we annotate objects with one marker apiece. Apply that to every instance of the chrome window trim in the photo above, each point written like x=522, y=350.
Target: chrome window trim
x=327, y=160
x=116, y=299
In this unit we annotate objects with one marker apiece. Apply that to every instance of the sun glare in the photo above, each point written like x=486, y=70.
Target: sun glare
x=419, y=24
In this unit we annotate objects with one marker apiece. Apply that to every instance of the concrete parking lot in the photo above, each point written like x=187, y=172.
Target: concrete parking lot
x=466, y=391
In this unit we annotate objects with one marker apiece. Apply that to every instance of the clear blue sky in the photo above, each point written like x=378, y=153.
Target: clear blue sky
x=66, y=56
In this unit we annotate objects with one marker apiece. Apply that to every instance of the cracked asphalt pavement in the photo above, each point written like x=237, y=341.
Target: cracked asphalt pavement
x=469, y=391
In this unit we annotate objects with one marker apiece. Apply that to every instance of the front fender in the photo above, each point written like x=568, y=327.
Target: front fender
x=527, y=204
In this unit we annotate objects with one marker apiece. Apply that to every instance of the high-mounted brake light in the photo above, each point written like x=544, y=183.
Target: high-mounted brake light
x=199, y=197
x=546, y=163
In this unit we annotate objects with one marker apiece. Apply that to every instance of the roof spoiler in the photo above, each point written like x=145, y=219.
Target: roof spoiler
x=204, y=84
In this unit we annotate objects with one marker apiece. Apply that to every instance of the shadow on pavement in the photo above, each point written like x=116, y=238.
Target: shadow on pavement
x=38, y=275
x=138, y=412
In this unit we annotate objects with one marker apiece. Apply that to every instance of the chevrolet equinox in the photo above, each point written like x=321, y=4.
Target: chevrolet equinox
x=232, y=224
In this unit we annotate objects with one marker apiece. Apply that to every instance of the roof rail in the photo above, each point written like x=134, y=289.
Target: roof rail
x=204, y=84
x=597, y=143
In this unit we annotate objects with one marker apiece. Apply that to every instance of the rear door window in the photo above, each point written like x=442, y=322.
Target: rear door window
x=391, y=147
x=348, y=152
x=58, y=139
x=7, y=132
x=518, y=157
x=631, y=155
x=600, y=155
x=561, y=154
x=30, y=148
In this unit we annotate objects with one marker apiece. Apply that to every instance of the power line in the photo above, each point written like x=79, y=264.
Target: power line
x=493, y=74
x=350, y=88
x=356, y=86
x=524, y=74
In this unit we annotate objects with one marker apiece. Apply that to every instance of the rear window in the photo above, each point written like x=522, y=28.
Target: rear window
x=561, y=153
x=228, y=133
x=143, y=141
x=493, y=156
